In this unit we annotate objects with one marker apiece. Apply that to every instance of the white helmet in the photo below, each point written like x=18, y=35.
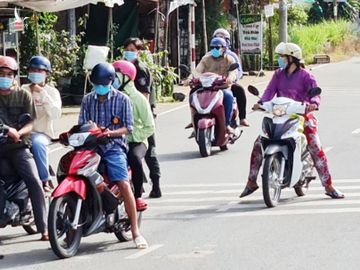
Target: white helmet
x=290, y=49
x=221, y=32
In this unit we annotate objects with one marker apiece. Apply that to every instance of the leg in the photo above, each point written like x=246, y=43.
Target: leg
x=41, y=155
x=255, y=165
x=25, y=166
x=228, y=105
x=239, y=94
x=136, y=153
x=154, y=167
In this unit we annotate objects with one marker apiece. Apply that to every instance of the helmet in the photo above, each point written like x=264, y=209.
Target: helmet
x=218, y=42
x=40, y=62
x=102, y=74
x=125, y=67
x=290, y=49
x=221, y=32
x=8, y=62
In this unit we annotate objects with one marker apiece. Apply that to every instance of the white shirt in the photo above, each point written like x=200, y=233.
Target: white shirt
x=48, y=108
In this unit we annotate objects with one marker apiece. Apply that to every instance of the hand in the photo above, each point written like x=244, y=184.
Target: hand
x=256, y=107
x=311, y=107
x=228, y=81
x=109, y=133
x=14, y=134
x=36, y=88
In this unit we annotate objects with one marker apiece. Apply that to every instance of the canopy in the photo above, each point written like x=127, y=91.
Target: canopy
x=59, y=5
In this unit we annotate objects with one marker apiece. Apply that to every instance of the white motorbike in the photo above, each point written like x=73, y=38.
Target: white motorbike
x=287, y=162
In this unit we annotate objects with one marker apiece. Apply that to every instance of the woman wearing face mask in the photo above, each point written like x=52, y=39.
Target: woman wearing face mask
x=144, y=125
x=48, y=108
x=293, y=81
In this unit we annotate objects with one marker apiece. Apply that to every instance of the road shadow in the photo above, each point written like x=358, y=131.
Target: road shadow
x=189, y=155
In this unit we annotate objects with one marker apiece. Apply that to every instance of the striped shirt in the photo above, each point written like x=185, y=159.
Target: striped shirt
x=116, y=105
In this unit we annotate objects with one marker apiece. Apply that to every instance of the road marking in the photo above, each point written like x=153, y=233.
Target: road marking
x=268, y=212
x=328, y=149
x=143, y=252
x=356, y=131
x=227, y=206
x=173, y=110
x=56, y=149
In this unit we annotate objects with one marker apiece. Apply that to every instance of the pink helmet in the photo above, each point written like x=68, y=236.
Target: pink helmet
x=126, y=68
x=8, y=62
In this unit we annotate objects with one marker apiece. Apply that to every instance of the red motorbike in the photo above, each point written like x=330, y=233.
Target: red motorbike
x=84, y=202
x=208, y=114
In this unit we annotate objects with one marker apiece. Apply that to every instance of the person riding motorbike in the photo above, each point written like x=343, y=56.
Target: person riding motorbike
x=219, y=62
x=293, y=81
x=48, y=108
x=13, y=103
x=144, y=83
x=144, y=125
x=102, y=106
x=238, y=90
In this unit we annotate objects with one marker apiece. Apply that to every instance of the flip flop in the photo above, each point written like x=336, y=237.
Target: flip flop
x=247, y=191
x=336, y=194
x=141, y=205
x=140, y=242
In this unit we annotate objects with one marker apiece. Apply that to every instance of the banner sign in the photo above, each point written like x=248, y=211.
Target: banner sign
x=251, y=33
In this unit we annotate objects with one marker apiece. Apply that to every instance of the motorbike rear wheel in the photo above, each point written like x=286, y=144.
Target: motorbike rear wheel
x=124, y=234
x=271, y=180
x=205, y=141
x=64, y=240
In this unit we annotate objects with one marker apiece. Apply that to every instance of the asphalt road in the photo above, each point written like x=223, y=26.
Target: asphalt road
x=200, y=223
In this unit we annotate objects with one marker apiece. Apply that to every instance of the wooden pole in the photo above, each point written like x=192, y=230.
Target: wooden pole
x=205, y=40
x=110, y=34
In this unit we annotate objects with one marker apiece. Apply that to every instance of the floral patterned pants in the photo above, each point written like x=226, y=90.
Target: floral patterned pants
x=314, y=147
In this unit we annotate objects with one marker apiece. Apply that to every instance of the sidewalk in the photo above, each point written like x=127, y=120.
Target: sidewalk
x=164, y=107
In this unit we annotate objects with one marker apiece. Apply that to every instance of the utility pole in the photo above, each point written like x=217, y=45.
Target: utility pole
x=204, y=27
x=335, y=5
x=236, y=3
x=283, y=20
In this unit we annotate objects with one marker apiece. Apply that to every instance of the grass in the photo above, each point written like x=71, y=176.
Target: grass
x=324, y=38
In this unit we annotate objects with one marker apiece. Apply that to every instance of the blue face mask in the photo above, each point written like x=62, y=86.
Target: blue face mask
x=116, y=84
x=130, y=55
x=102, y=90
x=36, y=77
x=281, y=62
x=5, y=83
x=216, y=53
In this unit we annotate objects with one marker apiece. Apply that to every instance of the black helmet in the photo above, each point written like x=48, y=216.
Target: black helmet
x=102, y=74
x=40, y=62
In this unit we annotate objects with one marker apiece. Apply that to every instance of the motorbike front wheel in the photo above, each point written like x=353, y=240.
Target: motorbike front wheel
x=64, y=239
x=204, y=141
x=124, y=233
x=271, y=179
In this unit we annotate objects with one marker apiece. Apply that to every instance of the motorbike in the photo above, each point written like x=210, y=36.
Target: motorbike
x=15, y=205
x=287, y=161
x=84, y=202
x=208, y=117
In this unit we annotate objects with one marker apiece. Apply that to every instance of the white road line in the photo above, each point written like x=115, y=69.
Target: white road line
x=268, y=212
x=173, y=110
x=328, y=149
x=143, y=252
x=228, y=206
x=356, y=131
x=56, y=149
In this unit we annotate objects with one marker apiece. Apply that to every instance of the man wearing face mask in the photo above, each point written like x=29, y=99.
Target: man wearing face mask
x=101, y=106
x=13, y=103
x=48, y=108
x=144, y=125
x=294, y=82
x=144, y=84
x=217, y=61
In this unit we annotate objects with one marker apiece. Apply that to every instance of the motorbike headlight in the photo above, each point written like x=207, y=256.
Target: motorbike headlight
x=279, y=110
x=78, y=139
x=207, y=81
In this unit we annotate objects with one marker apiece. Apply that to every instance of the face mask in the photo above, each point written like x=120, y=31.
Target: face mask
x=36, y=77
x=281, y=62
x=5, y=83
x=216, y=53
x=116, y=84
x=130, y=55
x=102, y=90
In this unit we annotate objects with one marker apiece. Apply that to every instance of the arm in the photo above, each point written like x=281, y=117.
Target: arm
x=52, y=102
x=26, y=129
x=271, y=89
x=310, y=82
x=83, y=116
x=147, y=120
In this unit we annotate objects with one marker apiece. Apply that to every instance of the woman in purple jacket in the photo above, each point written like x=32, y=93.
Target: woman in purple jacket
x=293, y=81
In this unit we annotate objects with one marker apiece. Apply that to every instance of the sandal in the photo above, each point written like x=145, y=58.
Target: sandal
x=336, y=194
x=141, y=205
x=247, y=191
x=140, y=242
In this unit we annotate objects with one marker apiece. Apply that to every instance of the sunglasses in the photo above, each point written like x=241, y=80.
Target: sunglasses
x=216, y=47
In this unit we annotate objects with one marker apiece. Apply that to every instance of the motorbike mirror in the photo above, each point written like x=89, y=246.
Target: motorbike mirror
x=253, y=90
x=24, y=119
x=314, y=92
x=233, y=66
